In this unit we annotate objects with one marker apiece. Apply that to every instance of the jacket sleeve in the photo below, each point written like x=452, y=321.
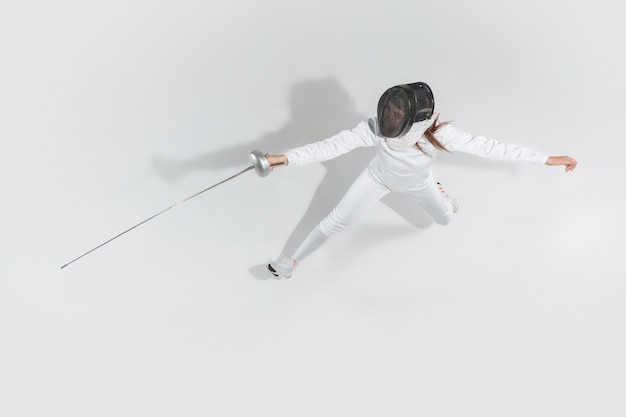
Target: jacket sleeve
x=339, y=144
x=455, y=140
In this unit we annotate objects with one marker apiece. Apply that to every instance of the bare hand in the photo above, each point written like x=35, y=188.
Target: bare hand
x=569, y=162
x=277, y=160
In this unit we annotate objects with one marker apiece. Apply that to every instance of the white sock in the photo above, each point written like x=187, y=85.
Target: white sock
x=313, y=241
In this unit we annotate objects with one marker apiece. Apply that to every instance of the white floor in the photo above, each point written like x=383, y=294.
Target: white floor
x=111, y=112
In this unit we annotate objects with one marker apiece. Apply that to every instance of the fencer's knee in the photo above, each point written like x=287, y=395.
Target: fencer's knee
x=330, y=228
x=333, y=223
x=444, y=219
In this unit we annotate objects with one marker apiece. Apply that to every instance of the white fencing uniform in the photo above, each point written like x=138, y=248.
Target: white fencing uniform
x=407, y=170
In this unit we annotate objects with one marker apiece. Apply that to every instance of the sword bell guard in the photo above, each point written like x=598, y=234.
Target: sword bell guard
x=260, y=162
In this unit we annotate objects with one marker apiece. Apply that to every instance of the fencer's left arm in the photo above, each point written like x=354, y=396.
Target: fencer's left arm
x=569, y=162
x=456, y=140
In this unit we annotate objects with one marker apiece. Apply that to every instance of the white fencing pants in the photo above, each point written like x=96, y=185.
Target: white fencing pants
x=364, y=192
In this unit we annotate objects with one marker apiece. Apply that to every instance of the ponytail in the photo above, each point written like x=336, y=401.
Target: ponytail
x=429, y=134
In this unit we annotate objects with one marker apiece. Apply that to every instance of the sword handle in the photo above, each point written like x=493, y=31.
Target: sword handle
x=261, y=165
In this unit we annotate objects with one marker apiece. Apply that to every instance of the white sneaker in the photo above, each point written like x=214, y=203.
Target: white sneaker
x=283, y=267
x=453, y=201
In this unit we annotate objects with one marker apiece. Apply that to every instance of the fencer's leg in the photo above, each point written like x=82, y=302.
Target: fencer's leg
x=284, y=266
x=437, y=205
x=310, y=244
x=362, y=193
x=452, y=202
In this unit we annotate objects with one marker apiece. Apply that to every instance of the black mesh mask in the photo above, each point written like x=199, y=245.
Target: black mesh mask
x=401, y=106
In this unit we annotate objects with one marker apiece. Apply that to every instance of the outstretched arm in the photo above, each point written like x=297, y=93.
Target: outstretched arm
x=569, y=162
x=332, y=147
x=455, y=139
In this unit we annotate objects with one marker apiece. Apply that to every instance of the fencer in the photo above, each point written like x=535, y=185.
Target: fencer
x=407, y=136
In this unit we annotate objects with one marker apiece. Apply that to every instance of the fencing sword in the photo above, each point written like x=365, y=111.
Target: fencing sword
x=259, y=163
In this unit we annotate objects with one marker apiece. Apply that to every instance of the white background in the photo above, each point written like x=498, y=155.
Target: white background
x=112, y=111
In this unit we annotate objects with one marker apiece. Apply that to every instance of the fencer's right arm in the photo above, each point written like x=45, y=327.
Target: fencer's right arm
x=343, y=142
x=276, y=161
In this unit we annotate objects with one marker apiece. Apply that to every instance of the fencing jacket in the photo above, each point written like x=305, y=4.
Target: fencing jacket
x=409, y=168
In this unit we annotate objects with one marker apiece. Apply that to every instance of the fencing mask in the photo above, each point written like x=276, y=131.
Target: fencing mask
x=401, y=106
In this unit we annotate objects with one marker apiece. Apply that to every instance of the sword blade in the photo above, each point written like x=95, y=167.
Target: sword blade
x=159, y=213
